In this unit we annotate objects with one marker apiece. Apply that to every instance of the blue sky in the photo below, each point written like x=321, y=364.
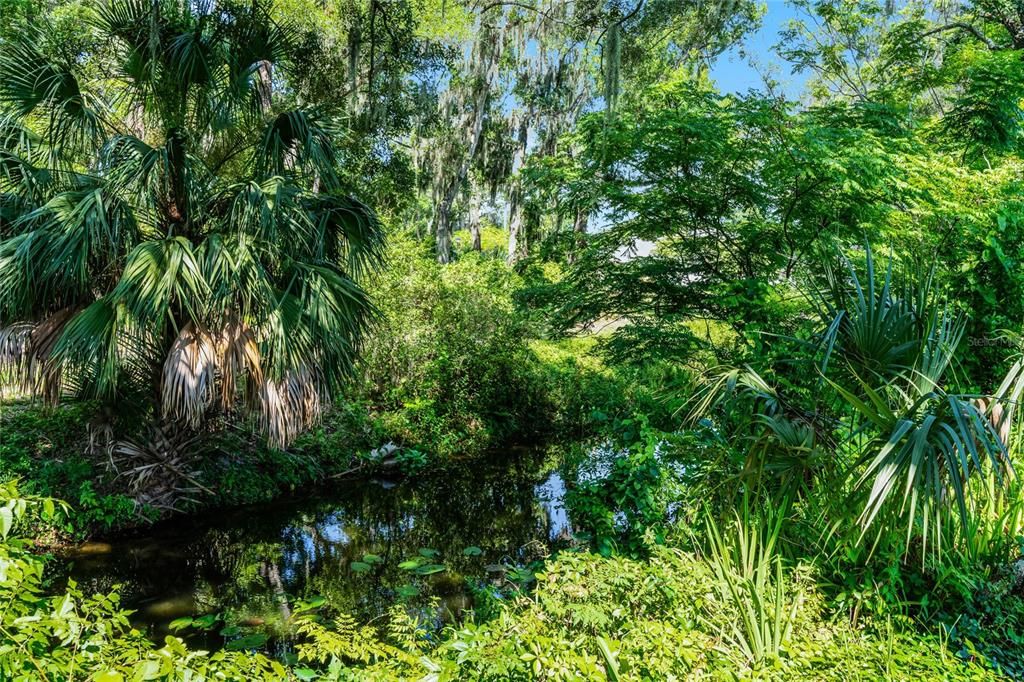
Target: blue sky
x=734, y=73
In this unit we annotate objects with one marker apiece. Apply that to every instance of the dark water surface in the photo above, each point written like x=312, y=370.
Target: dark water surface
x=255, y=566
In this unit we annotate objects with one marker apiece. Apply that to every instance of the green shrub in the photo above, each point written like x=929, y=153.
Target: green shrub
x=448, y=368
x=48, y=449
x=664, y=618
x=621, y=497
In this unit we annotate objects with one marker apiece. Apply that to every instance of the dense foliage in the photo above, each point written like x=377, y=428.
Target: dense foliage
x=175, y=234
x=769, y=343
x=675, y=615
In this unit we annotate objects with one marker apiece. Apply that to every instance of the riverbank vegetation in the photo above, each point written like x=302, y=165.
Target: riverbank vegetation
x=763, y=343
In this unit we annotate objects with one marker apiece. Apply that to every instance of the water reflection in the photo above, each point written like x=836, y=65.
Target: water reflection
x=346, y=544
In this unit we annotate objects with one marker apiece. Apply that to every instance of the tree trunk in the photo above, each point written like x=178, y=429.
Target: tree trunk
x=443, y=236
x=517, y=243
x=264, y=84
x=443, y=218
x=579, y=231
x=517, y=246
x=474, y=218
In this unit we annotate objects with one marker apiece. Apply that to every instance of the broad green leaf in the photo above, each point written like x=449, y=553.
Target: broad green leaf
x=180, y=623
x=6, y=521
x=108, y=676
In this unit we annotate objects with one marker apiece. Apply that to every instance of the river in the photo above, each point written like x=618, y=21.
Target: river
x=433, y=542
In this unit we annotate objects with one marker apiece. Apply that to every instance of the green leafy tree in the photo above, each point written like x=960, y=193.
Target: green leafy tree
x=713, y=207
x=175, y=234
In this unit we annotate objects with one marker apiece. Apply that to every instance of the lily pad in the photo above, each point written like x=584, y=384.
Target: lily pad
x=371, y=559
x=428, y=552
x=206, y=622
x=359, y=567
x=253, y=641
x=430, y=569
x=410, y=565
x=472, y=550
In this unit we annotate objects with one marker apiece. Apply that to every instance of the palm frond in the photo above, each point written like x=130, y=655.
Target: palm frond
x=158, y=273
x=31, y=84
x=189, y=373
x=238, y=357
x=295, y=141
x=722, y=383
x=875, y=330
x=27, y=355
x=272, y=211
x=159, y=468
x=348, y=232
x=88, y=349
x=289, y=406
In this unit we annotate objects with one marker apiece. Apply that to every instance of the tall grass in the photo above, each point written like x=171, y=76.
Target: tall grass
x=749, y=581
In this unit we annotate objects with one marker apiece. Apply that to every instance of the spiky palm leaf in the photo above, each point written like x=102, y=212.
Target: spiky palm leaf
x=191, y=219
x=877, y=390
x=919, y=442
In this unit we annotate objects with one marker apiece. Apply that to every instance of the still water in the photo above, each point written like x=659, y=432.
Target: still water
x=360, y=546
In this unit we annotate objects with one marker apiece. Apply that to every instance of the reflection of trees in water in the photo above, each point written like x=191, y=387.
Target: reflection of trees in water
x=255, y=563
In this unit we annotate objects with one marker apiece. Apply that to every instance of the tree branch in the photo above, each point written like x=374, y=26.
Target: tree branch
x=963, y=26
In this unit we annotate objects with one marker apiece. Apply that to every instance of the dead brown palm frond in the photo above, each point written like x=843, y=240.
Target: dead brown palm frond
x=14, y=353
x=190, y=371
x=159, y=467
x=14, y=346
x=289, y=406
x=202, y=364
x=26, y=354
x=238, y=355
x=198, y=360
x=1000, y=418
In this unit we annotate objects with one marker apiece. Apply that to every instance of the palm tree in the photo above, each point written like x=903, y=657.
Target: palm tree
x=874, y=400
x=173, y=229
x=888, y=352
